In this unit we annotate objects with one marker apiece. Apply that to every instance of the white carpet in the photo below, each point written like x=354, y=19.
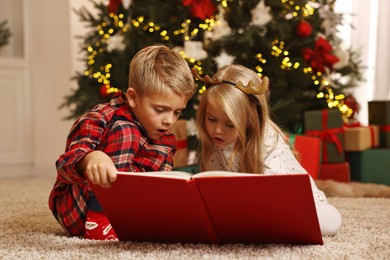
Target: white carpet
x=29, y=231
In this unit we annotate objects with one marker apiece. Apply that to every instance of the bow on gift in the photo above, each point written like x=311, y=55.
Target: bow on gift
x=321, y=56
x=327, y=136
x=201, y=9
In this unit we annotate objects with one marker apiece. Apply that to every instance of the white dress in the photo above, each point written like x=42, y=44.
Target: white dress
x=279, y=159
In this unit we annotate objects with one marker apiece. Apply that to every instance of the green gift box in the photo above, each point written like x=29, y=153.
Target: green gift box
x=370, y=166
x=379, y=114
x=327, y=124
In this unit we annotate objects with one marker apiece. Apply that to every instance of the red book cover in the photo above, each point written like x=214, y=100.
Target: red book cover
x=211, y=207
x=154, y=209
x=269, y=209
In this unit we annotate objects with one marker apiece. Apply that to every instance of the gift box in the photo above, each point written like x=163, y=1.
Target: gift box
x=327, y=124
x=180, y=132
x=308, y=152
x=371, y=165
x=360, y=138
x=379, y=114
x=335, y=171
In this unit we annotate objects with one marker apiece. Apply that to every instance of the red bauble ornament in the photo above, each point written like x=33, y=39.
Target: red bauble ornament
x=352, y=103
x=104, y=91
x=113, y=6
x=201, y=9
x=304, y=29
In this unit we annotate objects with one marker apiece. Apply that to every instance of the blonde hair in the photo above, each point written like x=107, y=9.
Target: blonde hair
x=156, y=67
x=249, y=122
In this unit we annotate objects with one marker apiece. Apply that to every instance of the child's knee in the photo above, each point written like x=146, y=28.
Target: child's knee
x=329, y=219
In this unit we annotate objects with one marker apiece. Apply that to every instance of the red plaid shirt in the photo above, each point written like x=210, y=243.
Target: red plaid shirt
x=110, y=128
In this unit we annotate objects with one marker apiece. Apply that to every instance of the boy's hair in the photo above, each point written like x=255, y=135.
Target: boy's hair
x=156, y=67
x=242, y=111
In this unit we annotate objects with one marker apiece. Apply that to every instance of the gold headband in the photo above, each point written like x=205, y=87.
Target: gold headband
x=250, y=89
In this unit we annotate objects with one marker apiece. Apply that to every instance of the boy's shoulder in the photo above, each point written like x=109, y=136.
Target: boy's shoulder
x=106, y=111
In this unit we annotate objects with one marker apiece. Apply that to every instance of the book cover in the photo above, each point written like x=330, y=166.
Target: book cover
x=211, y=207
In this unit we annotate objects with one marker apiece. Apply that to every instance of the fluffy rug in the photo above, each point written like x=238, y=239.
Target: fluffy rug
x=353, y=189
x=29, y=231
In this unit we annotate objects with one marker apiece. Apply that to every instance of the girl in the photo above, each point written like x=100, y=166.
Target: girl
x=237, y=134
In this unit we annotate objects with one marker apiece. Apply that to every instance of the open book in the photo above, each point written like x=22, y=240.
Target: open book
x=211, y=207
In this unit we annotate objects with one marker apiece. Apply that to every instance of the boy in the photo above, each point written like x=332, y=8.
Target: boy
x=128, y=134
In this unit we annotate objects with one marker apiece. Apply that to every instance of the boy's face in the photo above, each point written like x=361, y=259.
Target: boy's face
x=219, y=127
x=156, y=113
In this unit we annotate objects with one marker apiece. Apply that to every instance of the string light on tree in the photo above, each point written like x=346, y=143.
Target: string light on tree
x=281, y=43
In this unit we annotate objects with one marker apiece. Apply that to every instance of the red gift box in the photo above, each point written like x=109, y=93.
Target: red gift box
x=308, y=149
x=335, y=171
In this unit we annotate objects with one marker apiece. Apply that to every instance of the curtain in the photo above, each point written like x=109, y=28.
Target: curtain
x=371, y=35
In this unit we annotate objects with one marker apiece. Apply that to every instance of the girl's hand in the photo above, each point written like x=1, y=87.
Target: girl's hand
x=99, y=168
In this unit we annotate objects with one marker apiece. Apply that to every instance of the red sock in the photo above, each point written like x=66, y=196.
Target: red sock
x=97, y=227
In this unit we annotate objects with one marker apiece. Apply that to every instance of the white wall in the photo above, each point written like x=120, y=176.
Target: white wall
x=364, y=38
x=78, y=28
x=382, y=63
x=49, y=52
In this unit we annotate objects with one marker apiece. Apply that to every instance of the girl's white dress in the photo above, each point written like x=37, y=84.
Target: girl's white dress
x=279, y=159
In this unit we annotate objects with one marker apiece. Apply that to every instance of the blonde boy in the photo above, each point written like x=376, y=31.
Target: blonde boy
x=130, y=133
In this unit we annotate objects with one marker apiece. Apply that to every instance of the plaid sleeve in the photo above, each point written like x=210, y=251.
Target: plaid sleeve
x=84, y=137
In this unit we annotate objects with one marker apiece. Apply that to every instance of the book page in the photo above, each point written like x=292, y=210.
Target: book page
x=172, y=174
x=222, y=174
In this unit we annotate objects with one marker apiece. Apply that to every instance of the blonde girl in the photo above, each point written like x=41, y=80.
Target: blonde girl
x=237, y=133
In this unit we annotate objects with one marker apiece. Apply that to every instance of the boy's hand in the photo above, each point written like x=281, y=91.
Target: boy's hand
x=99, y=168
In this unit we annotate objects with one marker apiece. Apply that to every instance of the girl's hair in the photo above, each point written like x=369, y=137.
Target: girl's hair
x=156, y=67
x=248, y=120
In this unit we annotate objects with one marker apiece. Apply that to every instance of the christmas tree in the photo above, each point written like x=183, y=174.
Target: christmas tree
x=293, y=42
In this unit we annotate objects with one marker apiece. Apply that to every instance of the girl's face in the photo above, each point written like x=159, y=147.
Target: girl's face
x=219, y=127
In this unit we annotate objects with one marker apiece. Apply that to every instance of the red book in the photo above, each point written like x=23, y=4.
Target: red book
x=211, y=207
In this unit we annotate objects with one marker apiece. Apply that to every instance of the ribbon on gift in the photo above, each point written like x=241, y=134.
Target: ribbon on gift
x=355, y=124
x=385, y=128
x=327, y=136
x=374, y=143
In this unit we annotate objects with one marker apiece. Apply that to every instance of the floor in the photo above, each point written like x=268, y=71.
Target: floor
x=9, y=171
